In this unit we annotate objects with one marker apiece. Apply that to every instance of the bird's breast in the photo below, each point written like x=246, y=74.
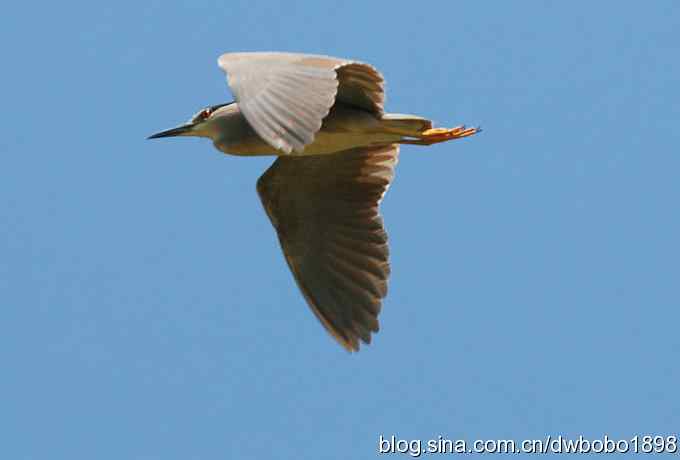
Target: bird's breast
x=343, y=128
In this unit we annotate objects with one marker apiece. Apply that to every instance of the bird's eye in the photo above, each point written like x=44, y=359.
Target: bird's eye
x=205, y=114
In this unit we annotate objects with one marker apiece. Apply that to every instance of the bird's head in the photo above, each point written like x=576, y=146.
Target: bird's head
x=205, y=123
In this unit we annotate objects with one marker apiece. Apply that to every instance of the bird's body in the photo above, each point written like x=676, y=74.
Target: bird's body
x=345, y=127
x=323, y=117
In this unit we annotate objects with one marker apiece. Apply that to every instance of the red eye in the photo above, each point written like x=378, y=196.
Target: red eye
x=206, y=113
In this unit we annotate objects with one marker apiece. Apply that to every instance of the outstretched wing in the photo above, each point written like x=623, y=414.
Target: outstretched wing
x=325, y=211
x=286, y=96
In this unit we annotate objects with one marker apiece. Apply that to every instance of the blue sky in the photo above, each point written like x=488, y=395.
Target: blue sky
x=147, y=311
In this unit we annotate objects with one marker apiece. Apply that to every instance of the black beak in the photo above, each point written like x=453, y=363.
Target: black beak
x=178, y=131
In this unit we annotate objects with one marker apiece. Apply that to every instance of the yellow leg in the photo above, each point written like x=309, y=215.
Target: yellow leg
x=436, y=135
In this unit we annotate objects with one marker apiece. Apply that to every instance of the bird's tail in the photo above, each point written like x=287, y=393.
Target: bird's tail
x=405, y=125
x=419, y=131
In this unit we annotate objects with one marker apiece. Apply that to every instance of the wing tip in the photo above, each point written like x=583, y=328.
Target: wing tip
x=353, y=345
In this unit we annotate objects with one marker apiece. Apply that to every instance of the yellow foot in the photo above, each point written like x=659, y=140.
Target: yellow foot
x=435, y=135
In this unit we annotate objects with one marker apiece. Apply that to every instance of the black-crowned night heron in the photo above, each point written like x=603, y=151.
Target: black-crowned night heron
x=324, y=119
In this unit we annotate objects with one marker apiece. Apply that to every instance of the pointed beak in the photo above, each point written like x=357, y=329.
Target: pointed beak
x=178, y=131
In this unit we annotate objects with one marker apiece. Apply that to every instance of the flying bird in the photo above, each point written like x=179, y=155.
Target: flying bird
x=336, y=148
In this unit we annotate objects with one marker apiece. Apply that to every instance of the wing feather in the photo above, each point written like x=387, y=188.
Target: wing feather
x=286, y=96
x=325, y=211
